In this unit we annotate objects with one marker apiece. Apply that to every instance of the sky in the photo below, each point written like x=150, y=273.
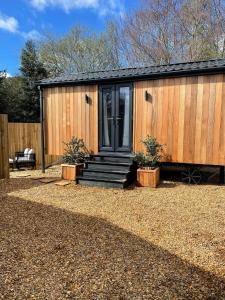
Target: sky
x=32, y=19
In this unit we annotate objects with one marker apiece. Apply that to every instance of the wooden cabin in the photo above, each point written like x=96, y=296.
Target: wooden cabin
x=182, y=105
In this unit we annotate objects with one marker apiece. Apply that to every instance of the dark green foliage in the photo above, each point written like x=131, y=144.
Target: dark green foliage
x=3, y=101
x=32, y=70
x=153, y=153
x=13, y=97
x=19, y=97
x=75, y=151
x=141, y=159
x=153, y=148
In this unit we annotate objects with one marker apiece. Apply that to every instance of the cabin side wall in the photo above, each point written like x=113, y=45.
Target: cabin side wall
x=67, y=114
x=186, y=114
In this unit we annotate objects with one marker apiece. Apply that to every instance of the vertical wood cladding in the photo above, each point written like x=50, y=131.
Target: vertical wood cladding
x=67, y=114
x=187, y=114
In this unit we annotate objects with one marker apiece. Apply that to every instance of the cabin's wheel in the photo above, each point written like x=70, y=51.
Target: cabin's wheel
x=191, y=176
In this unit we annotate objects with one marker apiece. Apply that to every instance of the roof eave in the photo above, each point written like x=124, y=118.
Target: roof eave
x=134, y=77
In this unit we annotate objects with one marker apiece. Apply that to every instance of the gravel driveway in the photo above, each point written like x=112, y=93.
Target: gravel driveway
x=89, y=243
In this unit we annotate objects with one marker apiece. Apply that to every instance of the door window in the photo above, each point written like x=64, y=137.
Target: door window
x=107, y=117
x=115, y=117
x=123, y=117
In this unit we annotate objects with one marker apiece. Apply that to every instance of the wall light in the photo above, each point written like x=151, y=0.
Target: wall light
x=87, y=98
x=148, y=96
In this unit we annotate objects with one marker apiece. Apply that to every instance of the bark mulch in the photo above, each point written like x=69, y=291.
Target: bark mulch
x=75, y=242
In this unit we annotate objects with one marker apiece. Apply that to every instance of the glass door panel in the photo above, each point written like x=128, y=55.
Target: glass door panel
x=123, y=117
x=115, y=117
x=107, y=118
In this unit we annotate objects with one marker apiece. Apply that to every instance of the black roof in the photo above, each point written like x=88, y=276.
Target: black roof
x=177, y=69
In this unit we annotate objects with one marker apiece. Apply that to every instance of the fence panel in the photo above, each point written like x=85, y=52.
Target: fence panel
x=27, y=135
x=4, y=151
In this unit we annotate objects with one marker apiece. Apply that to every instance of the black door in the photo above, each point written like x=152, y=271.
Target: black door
x=115, y=117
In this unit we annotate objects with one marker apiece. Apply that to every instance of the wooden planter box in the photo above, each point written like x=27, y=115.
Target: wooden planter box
x=70, y=172
x=148, y=177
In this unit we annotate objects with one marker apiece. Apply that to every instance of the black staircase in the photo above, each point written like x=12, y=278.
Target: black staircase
x=109, y=170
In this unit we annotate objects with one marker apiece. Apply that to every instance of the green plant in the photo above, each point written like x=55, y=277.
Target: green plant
x=75, y=151
x=141, y=159
x=153, y=153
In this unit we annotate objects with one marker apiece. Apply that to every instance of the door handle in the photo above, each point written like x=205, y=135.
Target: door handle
x=113, y=119
x=117, y=120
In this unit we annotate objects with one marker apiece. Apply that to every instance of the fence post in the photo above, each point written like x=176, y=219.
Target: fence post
x=4, y=147
x=42, y=131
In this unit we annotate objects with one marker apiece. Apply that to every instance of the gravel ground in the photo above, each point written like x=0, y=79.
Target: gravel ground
x=88, y=243
x=54, y=171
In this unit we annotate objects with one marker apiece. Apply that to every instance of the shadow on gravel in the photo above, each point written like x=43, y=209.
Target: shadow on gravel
x=167, y=185
x=54, y=254
x=15, y=184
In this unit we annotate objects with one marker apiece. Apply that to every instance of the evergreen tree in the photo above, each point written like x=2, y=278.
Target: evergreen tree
x=12, y=88
x=32, y=70
x=3, y=100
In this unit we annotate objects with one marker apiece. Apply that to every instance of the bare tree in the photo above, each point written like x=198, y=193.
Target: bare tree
x=80, y=50
x=158, y=32
x=202, y=25
x=165, y=31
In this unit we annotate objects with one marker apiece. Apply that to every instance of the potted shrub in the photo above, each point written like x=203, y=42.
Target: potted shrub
x=74, y=157
x=148, y=173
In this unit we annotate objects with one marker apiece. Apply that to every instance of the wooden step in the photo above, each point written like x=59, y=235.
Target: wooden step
x=115, y=154
x=106, y=174
x=122, y=183
x=103, y=165
x=115, y=170
x=113, y=157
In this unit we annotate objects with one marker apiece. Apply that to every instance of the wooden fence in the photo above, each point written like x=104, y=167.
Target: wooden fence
x=4, y=153
x=27, y=135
